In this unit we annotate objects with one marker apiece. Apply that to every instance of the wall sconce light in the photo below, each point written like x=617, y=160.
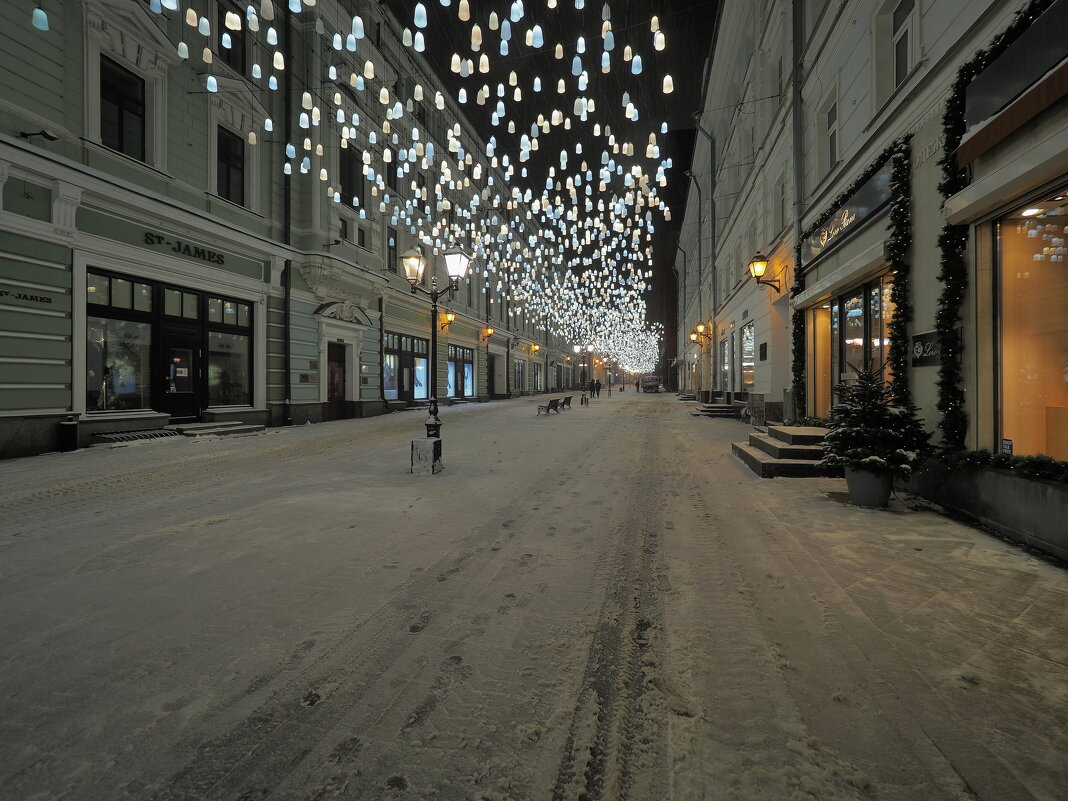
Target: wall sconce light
x=535, y=347
x=447, y=319
x=44, y=133
x=758, y=265
x=698, y=333
x=487, y=332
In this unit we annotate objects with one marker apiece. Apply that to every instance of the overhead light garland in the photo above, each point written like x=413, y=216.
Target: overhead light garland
x=572, y=247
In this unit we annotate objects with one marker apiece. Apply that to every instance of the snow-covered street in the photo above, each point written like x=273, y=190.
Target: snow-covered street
x=600, y=604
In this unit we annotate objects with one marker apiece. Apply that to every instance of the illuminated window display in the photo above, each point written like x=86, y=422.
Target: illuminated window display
x=748, y=356
x=1033, y=328
x=848, y=333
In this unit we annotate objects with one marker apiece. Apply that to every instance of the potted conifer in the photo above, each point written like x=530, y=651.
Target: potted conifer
x=873, y=439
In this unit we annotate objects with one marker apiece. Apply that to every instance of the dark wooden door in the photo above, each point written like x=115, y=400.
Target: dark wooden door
x=181, y=373
x=336, y=402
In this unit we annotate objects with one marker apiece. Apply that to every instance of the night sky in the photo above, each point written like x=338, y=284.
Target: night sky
x=688, y=27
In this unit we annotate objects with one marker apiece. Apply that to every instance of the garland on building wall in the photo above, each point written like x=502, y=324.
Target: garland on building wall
x=954, y=238
x=897, y=245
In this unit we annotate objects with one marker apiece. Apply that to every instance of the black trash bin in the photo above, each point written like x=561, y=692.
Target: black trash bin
x=68, y=435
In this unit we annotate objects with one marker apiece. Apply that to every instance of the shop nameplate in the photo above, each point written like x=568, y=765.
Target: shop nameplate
x=184, y=248
x=871, y=195
x=26, y=297
x=926, y=351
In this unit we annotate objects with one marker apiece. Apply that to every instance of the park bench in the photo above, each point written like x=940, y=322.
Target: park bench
x=551, y=406
x=566, y=402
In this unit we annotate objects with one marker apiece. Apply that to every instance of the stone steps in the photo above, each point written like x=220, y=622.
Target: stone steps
x=715, y=410
x=780, y=449
x=786, y=452
x=215, y=429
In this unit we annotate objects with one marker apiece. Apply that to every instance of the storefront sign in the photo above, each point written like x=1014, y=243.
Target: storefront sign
x=871, y=195
x=184, y=248
x=926, y=352
x=1006, y=447
x=25, y=296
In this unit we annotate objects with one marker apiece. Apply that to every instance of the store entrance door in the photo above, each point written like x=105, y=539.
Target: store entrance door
x=336, y=402
x=181, y=373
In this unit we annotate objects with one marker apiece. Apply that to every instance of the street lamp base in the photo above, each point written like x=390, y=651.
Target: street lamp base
x=433, y=428
x=426, y=456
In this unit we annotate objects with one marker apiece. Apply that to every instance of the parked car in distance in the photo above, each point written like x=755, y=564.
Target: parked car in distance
x=650, y=383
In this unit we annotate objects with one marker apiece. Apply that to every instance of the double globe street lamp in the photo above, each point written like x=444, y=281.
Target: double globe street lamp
x=457, y=260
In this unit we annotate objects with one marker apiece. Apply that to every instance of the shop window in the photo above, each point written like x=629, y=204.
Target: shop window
x=229, y=360
x=520, y=375
x=230, y=166
x=405, y=371
x=848, y=334
x=177, y=303
x=420, y=378
x=461, y=372
x=117, y=364
x=748, y=356
x=1033, y=316
x=537, y=377
x=725, y=365
x=389, y=376
x=122, y=109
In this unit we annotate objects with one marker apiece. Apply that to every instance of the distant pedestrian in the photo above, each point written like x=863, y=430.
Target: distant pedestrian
x=598, y=388
x=637, y=384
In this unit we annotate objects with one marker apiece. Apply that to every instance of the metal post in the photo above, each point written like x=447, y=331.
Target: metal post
x=433, y=422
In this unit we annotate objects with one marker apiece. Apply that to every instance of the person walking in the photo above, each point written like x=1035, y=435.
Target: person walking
x=598, y=387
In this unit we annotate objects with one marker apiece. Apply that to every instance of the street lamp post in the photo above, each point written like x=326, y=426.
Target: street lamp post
x=456, y=263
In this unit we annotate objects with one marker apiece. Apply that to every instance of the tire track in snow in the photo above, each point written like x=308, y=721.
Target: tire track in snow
x=300, y=729
x=616, y=745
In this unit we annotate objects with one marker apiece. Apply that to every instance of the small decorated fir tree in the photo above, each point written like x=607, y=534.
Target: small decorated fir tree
x=868, y=432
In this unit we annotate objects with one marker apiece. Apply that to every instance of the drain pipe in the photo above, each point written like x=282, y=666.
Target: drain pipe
x=287, y=223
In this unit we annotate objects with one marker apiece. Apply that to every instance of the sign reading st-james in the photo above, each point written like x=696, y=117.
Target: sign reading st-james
x=31, y=297
x=185, y=248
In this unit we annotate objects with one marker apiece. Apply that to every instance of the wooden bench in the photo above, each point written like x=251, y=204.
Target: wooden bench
x=551, y=406
x=566, y=402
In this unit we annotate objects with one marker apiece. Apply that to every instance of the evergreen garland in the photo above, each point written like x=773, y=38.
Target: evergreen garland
x=897, y=246
x=954, y=239
x=798, y=367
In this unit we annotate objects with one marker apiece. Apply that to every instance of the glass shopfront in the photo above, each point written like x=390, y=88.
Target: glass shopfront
x=461, y=373
x=847, y=334
x=748, y=356
x=146, y=344
x=405, y=367
x=1032, y=283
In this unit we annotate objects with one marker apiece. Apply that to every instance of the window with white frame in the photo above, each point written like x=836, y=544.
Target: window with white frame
x=230, y=166
x=230, y=29
x=901, y=22
x=828, y=141
x=126, y=60
x=122, y=109
x=896, y=43
x=831, y=121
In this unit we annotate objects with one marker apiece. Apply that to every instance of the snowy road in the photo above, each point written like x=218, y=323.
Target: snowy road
x=602, y=604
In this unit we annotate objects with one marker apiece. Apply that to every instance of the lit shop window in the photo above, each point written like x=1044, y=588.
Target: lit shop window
x=748, y=356
x=1033, y=316
x=118, y=355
